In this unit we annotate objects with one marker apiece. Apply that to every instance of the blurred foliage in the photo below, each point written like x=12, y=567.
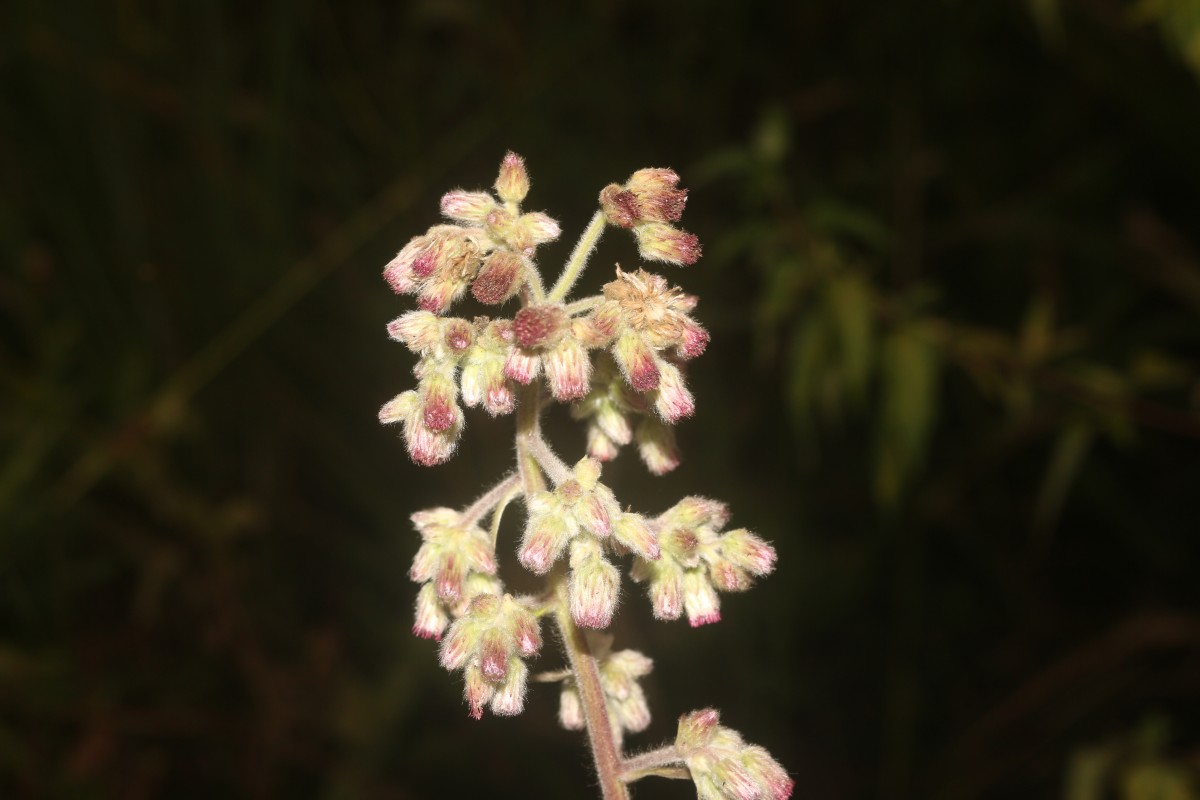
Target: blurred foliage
x=953, y=275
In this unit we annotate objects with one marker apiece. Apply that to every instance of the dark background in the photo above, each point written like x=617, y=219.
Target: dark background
x=953, y=280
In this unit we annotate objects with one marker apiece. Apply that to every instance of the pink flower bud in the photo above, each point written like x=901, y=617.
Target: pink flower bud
x=658, y=241
x=620, y=206
x=666, y=593
x=694, y=511
x=570, y=710
x=493, y=655
x=526, y=632
x=457, y=646
x=657, y=198
x=695, y=340
x=449, y=578
x=472, y=207
x=696, y=730
x=426, y=447
x=603, y=324
x=499, y=279
x=768, y=773
x=674, y=401
x=632, y=531
x=568, y=370
x=546, y=536
x=637, y=362
x=593, y=516
x=700, y=599
x=439, y=411
x=401, y=272
x=399, y=407
x=599, y=446
x=478, y=690
x=728, y=577
x=499, y=398
x=748, y=551
x=539, y=326
x=457, y=335
x=419, y=330
x=522, y=367
x=537, y=228
x=656, y=446
x=509, y=699
x=593, y=585
x=512, y=184
x=431, y=618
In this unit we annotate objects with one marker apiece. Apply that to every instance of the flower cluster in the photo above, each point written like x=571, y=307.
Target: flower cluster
x=697, y=559
x=490, y=249
x=723, y=766
x=617, y=358
x=456, y=562
x=582, y=514
x=619, y=673
x=647, y=202
x=489, y=643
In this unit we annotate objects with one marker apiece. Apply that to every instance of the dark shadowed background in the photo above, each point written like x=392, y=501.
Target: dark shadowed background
x=952, y=272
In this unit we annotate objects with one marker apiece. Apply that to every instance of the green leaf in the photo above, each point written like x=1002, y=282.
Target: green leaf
x=909, y=373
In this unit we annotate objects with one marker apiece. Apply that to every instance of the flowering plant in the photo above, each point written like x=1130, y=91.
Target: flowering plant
x=618, y=359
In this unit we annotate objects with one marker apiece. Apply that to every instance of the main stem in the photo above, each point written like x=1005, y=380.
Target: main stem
x=605, y=752
x=591, y=694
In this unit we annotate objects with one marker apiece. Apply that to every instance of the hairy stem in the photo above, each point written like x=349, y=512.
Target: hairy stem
x=490, y=499
x=605, y=751
x=578, y=260
x=662, y=762
x=528, y=431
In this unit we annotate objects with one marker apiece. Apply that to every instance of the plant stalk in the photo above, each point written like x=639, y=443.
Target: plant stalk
x=578, y=260
x=591, y=693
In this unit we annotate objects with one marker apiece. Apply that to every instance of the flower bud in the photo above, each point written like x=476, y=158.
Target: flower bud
x=748, y=551
x=539, y=326
x=493, y=655
x=700, y=599
x=620, y=206
x=399, y=407
x=546, y=536
x=637, y=361
x=536, y=228
x=499, y=279
x=656, y=446
x=431, y=618
x=568, y=369
x=419, y=330
x=632, y=531
x=463, y=206
x=694, y=511
x=695, y=340
x=723, y=766
x=570, y=710
x=666, y=591
x=593, y=585
x=477, y=691
x=658, y=241
x=440, y=411
x=512, y=184
x=599, y=446
x=673, y=401
x=696, y=730
x=509, y=699
x=657, y=198
x=522, y=367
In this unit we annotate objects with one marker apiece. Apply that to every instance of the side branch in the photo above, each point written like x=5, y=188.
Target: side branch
x=578, y=260
x=490, y=499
